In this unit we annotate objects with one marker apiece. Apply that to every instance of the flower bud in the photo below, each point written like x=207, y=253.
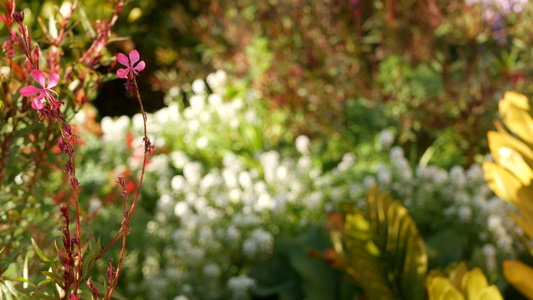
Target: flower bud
x=18, y=16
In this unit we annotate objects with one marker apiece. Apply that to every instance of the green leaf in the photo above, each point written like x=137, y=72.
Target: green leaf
x=10, y=259
x=39, y=251
x=53, y=276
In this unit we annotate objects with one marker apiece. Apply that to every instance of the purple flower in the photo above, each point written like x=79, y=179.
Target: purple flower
x=131, y=71
x=45, y=93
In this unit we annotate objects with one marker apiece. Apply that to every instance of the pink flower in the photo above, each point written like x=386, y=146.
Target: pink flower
x=45, y=93
x=130, y=71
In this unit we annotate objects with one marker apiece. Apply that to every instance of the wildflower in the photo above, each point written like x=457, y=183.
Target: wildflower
x=131, y=71
x=45, y=93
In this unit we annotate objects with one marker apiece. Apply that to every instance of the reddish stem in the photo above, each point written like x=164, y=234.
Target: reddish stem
x=125, y=222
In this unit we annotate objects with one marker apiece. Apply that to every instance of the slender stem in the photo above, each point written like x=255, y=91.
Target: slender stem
x=125, y=222
x=78, y=229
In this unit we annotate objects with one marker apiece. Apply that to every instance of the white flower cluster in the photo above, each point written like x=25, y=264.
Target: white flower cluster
x=217, y=217
x=223, y=199
x=461, y=197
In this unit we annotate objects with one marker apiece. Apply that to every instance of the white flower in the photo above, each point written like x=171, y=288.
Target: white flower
x=304, y=163
x=212, y=270
x=217, y=80
x=259, y=242
x=202, y=143
x=251, y=117
x=383, y=174
x=386, y=137
x=270, y=162
x=164, y=203
x=465, y=213
x=245, y=180
x=348, y=160
x=234, y=123
x=192, y=172
x=181, y=208
x=205, y=117
x=230, y=178
x=198, y=87
x=210, y=180
x=264, y=202
x=18, y=179
x=260, y=187
x=489, y=251
x=494, y=222
x=81, y=117
x=214, y=100
x=193, y=125
x=200, y=204
x=315, y=199
x=440, y=176
x=475, y=172
x=302, y=144
x=235, y=195
x=369, y=182
x=240, y=286
x=137, y=123
x=457, y=175
x=197, y=254
x=396, y=152
x=177, y=183
x=158, y=164
x=232, y=233
x=281, y=173
x=94, y=204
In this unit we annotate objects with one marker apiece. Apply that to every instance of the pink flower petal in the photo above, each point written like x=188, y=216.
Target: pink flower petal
x=134, y=56
x=122, y=73
x=53, y=80
x=39, y=77
x=140, y=66
x=37, y=102
x=123, y=59
x=29, y=91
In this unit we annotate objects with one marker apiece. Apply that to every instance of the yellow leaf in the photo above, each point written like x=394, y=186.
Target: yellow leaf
x=514, y=111
x=440, y=288
x=502, y=182
x=506, y=154
x=473, y=283
x=520, y=276
x=456, y=276
x=526, y=226
x=524, y=202
x=516, y=99
x=515, y=143
x=489, y=293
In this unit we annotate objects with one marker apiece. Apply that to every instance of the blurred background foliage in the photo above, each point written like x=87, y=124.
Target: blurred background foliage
x=395, y=93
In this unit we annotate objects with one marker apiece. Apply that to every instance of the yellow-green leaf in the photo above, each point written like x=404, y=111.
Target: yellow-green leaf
x=440, y=288
x=473, y=283
x=489, y=293
x=457, y=274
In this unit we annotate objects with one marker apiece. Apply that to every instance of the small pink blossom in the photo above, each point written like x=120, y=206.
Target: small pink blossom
x=45, y=93
x=131, y=71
